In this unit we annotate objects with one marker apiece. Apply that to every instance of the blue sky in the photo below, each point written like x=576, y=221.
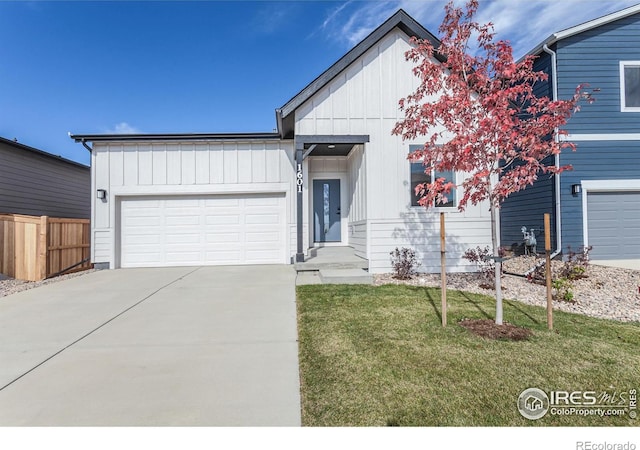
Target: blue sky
x=201, y=66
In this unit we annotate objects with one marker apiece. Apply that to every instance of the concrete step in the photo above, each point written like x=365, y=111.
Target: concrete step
x=304, y=278
x=311, y=266
x=345, y=276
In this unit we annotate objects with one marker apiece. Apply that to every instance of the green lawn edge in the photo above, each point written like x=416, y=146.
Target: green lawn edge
x=378, y=356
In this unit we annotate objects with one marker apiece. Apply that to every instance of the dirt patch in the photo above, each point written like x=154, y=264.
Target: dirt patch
x=487, y=328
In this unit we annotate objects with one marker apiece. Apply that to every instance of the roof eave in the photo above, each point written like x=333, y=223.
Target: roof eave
x=581, y=28
x=173, y=137
x=37, y=151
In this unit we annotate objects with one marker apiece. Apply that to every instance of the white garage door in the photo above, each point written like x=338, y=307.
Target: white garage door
x=211, y=230
x=613, y=220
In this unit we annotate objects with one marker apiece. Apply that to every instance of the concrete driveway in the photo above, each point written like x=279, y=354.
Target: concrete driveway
x=211, y=346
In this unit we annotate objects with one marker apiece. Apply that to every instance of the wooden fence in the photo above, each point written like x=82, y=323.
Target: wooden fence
x=34, y=248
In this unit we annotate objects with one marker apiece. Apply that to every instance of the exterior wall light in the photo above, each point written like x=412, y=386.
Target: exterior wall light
x=102, y=194
x=576, y=189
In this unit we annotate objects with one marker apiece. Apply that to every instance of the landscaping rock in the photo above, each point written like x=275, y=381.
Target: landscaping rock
x=10, y=286
x=606, y=292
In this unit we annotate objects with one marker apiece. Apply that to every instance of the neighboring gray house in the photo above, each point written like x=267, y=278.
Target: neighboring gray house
x=332, y=175
x=35, y=182
x=598, y=202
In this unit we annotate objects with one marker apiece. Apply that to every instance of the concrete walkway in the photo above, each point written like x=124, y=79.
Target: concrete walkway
x=633, y=264
x=210, y=346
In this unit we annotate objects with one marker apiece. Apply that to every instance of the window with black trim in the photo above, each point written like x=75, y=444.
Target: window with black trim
x=630, y=85
x=418, y=176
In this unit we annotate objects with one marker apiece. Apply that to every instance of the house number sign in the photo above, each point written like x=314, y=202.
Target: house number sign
x=299, y=178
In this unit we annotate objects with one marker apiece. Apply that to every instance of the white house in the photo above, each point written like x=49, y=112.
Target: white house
x=332, y=174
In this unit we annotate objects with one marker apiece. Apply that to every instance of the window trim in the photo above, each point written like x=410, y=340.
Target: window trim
x=453, y=207
x=623, y=106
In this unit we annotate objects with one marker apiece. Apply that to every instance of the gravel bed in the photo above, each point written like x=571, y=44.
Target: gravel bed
x=10, y=286
x=607, y=292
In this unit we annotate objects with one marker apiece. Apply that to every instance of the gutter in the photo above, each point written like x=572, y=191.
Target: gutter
x=174, y=137
x=554, y=90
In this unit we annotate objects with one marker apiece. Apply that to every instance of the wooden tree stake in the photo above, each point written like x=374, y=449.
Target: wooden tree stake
x=547, y=251
x=443, y=271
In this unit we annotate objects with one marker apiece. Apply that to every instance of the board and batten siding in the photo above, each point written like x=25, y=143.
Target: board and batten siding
x=357, y=201
x=39, y=185
x=363, y=100
x=594, y=57
x=184, y=168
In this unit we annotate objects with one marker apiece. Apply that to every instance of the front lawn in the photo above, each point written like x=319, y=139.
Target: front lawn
x=378, y=356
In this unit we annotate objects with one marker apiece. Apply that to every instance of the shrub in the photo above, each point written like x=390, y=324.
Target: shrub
x=576, y=263
x=404, y=263
x=572, y=269
x=562, y=290
x=483, y=258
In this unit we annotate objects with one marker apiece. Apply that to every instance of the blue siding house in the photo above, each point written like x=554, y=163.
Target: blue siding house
x=598, y=202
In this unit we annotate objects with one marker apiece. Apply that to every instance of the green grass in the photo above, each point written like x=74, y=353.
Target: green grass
x=377, y=356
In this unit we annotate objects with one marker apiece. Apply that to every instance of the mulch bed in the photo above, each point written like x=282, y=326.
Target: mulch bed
x=487, y=328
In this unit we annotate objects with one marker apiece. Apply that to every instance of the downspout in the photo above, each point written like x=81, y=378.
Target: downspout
x=84, y=144
x=554, y=90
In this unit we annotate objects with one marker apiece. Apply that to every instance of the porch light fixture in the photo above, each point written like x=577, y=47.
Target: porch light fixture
x=576, y=189
x=101, y=194
x=331, y=146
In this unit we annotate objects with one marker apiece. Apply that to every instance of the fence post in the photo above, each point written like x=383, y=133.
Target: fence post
x=42, y=247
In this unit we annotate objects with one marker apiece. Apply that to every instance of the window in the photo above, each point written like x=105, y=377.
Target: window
x=418, y=176
x=630, y=85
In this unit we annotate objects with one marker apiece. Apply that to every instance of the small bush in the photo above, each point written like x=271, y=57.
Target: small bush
x=576, y=264
x=562, y=290
x=483, y=258
x=573, y=268
x=404, y=263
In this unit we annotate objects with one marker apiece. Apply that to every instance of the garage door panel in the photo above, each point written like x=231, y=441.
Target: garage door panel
x=262, y=201
x=142, y=221
x=142, y=259
x=224, y=229
x=183, y=220
x=141, y=239
x=259, y=256
x=222, y=238
x=221, y=202
x=182, y=238
x=262, y=219
x=613, y=221
x=263, y=237
x=223, y=220
x=224, y=257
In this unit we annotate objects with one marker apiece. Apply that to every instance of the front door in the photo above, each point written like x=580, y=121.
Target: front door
x=326, y=210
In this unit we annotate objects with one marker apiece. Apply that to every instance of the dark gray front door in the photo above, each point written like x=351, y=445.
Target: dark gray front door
x=326, y=210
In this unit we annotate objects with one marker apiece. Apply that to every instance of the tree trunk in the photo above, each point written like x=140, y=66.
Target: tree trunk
x=498, y=263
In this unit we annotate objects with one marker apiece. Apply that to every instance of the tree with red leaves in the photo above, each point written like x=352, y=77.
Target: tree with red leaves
x=479, y=116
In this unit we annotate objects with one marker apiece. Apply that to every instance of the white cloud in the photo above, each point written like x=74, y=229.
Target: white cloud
x=524, y=23
x=123, y=128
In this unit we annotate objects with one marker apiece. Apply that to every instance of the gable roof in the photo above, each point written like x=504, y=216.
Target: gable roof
x=401, y=20
x=586, y=26
x=25, y=148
